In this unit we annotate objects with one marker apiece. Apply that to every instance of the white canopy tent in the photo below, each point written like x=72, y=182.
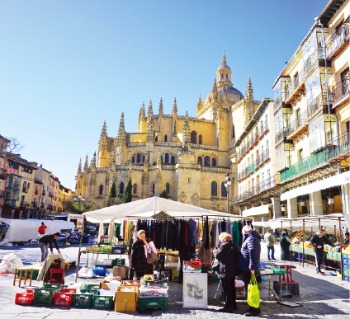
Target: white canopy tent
x=22, y=230
x=149, y=208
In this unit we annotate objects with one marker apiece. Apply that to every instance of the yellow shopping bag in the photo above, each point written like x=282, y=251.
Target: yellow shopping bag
x=253, y=293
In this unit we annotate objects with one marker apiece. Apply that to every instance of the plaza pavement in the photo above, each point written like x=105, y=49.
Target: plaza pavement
x=320, y=296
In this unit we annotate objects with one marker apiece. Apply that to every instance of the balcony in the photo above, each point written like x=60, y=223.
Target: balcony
x=316, y=105
x=335, y=151
x=338, y=42
x=340, y=93
x=246, y=171
x=298, y=126
x=296, y=88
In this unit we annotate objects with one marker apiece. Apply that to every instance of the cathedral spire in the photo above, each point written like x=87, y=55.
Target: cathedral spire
x=160, y=112
x=150, y=122
x=199, y=103
x=249, y=105
x=79, y=167
x=121, y=125
x=103, y=135
x=174, y=111
x=86, y=165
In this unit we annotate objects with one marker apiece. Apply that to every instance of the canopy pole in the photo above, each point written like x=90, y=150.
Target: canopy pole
x=341, y=247
x=303, y=240
x=79, y=252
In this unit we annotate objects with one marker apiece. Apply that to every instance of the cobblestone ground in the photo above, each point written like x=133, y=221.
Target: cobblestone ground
x=320, y=297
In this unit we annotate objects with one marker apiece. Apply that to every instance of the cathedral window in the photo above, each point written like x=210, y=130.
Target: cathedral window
x=166, y=158
x=194, y=137
x=100, y=190
x=156, y=139
x=167, y=188
x=233, y=132
x=138, y=158
x=223, y=190
x=206, y=161
x=200, y=160
x=153, y=188
x=121, y=188
x=173, y=160
x=200, y=139
x=213, y=162
x=214, y=189
x=165, y=138
x=134, y=189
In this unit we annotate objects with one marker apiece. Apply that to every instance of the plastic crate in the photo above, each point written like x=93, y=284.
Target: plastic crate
x=62, y=299
x=152, y=303
x=102, y=302
x=119, y=250
x=69, y=290
x=90, y=291
x=53, y=287
x=118, y=262
x=290, y=288
x=82, y=300
x=91, y=286
x=25, y=298
x=43, y=296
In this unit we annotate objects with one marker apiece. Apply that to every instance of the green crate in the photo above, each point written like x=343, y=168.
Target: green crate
x=82, y=300
x=91, y=286
x=102, y=302
x=43, y=296
x=145, y=302
x=90, y=291
x=118, y=262
x=55, y=288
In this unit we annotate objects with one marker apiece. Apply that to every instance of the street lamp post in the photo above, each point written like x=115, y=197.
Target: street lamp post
x=227, y=185
x=79, y=198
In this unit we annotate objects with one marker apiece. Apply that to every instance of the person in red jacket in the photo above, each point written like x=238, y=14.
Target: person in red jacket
x=42, y=229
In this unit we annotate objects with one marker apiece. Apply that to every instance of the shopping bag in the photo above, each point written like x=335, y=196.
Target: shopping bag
x=152, y=258
x=253, y=293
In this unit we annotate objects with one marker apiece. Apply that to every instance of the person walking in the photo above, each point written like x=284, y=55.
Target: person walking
x=318, y=240
x=46, y=241
x=139, y=255
x=284, y=244
x=270, y=244
x=228, y=256
x=249, y=260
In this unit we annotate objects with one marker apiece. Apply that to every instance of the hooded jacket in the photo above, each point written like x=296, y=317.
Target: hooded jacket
x=250, y=252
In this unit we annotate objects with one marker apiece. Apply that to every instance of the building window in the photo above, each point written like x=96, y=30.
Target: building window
x=134, y=189
x=213, y=162
x=121, y=188
x=167, y=188
x=214, y=188
x=199, y=160
x=206, y=161
x=173, y=159
x=153, y=188
x=165, y=138
x=100, y=190
x=200, y=139
x=194, y=137
x=233, y=134
x=166, y=158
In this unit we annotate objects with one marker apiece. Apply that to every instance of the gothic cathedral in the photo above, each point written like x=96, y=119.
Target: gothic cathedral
x=187, y=157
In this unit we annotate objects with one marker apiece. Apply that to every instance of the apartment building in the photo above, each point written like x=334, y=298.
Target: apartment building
x=311, y=115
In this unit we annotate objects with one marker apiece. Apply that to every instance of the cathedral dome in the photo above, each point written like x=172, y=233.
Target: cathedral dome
x=223, y=86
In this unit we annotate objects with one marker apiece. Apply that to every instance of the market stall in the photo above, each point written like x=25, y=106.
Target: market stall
x=301, y=230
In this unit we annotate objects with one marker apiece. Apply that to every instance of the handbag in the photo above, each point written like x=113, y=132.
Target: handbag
x=253, y=298
x=152, y=257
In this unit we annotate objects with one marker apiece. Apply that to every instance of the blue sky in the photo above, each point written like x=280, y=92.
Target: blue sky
x=67, y=66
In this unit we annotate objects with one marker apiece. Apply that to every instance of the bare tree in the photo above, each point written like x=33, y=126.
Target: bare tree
x=14, y=146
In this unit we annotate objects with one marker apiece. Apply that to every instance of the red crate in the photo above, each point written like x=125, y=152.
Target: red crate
x=69, y=290
x=63, y=299
x=24, y=298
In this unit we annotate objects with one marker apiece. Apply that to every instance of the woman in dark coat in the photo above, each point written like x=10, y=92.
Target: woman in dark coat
x=249, y=260
x=227, y=256
x=138, y=255
x=284, y=243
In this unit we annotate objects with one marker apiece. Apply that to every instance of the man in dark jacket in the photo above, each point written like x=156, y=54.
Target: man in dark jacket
x=249, y=260
x=47, y=241
x=318, y=240
x=228, y=256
